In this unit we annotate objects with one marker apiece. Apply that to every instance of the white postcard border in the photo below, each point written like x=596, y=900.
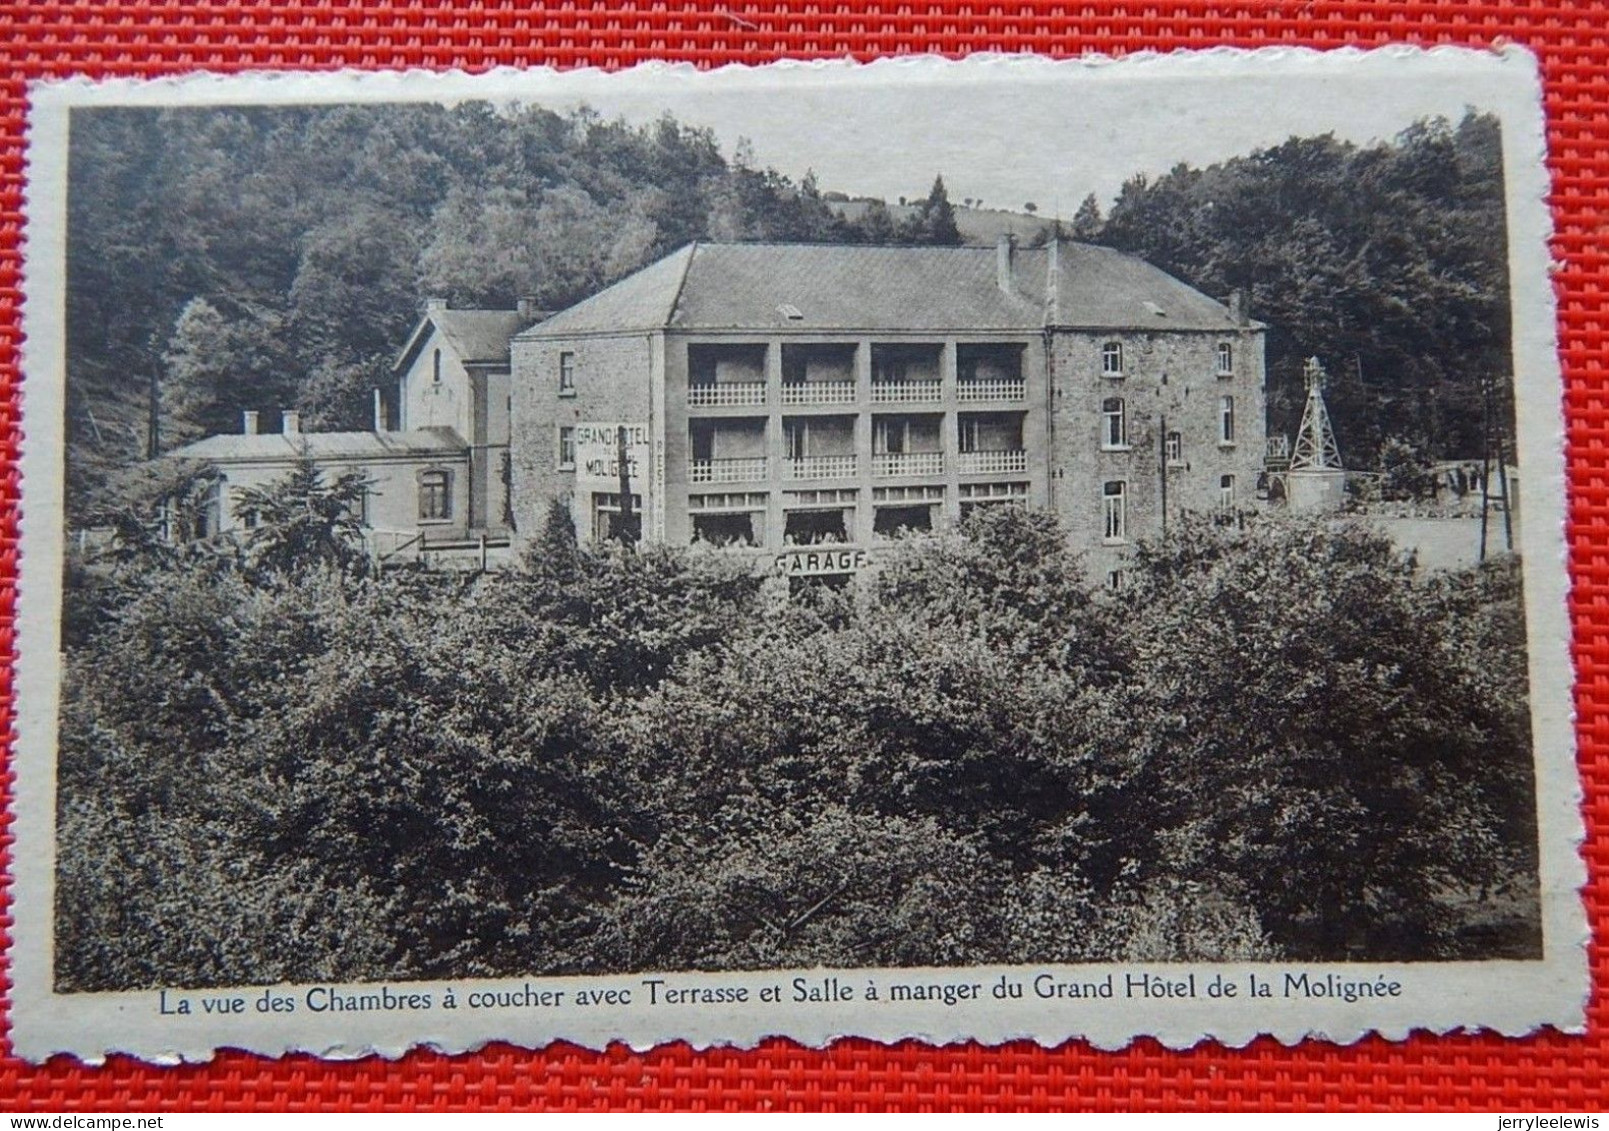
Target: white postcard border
x=1512, y=998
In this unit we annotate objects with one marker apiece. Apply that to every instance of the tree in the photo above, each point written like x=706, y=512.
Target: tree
x=216, y=366
x=934, y=221
x=299, y=522
x=1087, y=221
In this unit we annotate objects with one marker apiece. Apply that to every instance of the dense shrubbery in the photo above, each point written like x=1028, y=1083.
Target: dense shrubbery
x=1277, y=743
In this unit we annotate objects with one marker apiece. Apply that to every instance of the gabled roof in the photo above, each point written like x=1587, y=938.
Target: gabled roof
x=713, y=286
x=645, y=300
x=274, y=447
x=1104, y=288
x=476, y=336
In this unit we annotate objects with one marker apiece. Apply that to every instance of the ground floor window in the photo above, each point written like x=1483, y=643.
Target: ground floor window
x=815, y=527
x=607, y=519
x=729, y=529
x=435, y=495
x=890, y=521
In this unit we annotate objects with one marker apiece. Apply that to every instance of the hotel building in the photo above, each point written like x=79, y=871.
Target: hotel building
x=807, y=401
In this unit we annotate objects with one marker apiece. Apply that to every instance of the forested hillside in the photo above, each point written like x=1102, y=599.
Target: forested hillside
x=273, y=257
x=1389, y=262
x=269, y=258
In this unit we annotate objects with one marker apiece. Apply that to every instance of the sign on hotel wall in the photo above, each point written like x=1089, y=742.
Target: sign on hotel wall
x=597, y=454
x=820, y=562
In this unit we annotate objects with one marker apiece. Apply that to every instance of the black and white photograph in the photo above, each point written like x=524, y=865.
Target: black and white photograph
x=824, y=541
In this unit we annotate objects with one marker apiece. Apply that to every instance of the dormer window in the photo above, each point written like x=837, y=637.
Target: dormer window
x=1226, y=359
x=1112, y=359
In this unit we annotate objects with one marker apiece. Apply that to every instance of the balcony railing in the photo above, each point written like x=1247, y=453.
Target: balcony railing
x=722, y=394
x=822, y=467
x=908, y=463
x=746, y=470
x=993, y=463
x=818, y=392
x=1278, y=447
x=992, y=389
x=897, y=392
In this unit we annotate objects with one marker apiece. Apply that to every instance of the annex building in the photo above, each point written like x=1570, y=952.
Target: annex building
x=807, y=401
x=436, y=459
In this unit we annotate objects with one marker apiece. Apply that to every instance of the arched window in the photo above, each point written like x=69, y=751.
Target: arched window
x=1226, y=420
x=1226, y=359
x=435, y=495
x=1114, y=425
x=1112, y=359
x=1226, y=492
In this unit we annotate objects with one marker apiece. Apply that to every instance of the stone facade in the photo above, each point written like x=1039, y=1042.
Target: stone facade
x=1169, y=383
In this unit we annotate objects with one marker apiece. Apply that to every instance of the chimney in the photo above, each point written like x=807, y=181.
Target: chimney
x=379, y=411
x=526, y=305
x=1238, y=311
x=1005, y=255
x=434, y=304
x=248, y=423
x=290, y=422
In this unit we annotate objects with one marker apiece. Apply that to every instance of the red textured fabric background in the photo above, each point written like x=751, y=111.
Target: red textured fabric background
x=1547, y=1072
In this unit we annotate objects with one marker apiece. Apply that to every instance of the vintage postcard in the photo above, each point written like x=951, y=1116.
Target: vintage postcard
x=957, y=550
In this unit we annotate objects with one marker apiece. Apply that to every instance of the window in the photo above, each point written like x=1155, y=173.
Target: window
x=1112, y=359
x=1114, y=425
x=566, y=374
x=435, y=368
x=1226, y=420
x=566, y=448
x=435, y=496
x=1226, y=492
x=1173, y=450
x=796, y=438
x=1226, y=359
x=889, y=522
x=810, y=528
x=725, y=529
x=608, y=523
x=891, y=437
x=1114, y=496
x=1114, y=580
x=970, y=433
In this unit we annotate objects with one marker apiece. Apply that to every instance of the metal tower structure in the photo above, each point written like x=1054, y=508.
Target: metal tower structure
x=1316, y=449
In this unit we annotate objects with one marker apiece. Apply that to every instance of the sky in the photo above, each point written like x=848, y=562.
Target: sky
x=1032, y=131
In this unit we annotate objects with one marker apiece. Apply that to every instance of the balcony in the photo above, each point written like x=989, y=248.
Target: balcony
x=822, y=467
x=1012, y=462
x=818, y=392
x=725, y=394
x=908, y=463
x=992, y=389
x=749, y=469
x=925, y=390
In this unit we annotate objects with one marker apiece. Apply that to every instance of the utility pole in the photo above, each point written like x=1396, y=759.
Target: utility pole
x=627, y=537
x=153, y=426
x=1486, y=457
x=1162, y=467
